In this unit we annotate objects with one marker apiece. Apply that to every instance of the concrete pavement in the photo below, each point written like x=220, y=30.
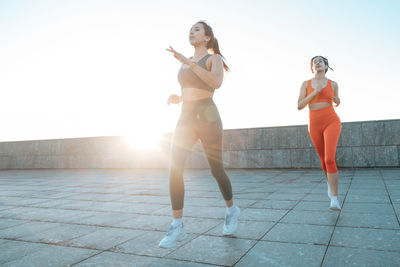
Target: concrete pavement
x=117, y=217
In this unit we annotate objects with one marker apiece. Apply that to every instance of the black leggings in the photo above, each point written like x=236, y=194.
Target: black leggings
x=198, y=120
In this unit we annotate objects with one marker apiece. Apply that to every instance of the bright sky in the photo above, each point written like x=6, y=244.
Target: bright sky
x=83, y=68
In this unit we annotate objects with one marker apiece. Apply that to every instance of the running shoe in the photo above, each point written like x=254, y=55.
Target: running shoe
x=174, y=234
x=231, y=221
x=334, y=204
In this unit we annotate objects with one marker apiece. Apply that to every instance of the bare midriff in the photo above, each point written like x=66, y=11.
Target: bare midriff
x=319, y=105
x=194, y=94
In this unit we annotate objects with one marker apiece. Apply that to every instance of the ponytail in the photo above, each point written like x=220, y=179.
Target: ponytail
x=212, y=45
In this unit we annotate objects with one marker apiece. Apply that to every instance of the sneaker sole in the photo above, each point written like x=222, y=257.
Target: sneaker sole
x=178, y=239
x=231, y=232
x=334, y=208
x=163, y=246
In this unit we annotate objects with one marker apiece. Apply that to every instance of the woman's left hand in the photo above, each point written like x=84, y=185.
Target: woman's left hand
x=336, y=99
x=179, y=56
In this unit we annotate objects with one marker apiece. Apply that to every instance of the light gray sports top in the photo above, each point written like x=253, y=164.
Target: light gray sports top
x=188, y=79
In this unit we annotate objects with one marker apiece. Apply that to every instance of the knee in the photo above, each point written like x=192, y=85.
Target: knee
x=330, y=164
x=175, y=172
x=217, y=172
x=329, y=160
x=177, y=165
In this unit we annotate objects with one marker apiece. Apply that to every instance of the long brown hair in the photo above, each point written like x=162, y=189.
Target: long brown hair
x=212, y=45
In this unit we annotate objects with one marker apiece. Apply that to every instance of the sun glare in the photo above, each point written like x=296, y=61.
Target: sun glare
x=143, y=140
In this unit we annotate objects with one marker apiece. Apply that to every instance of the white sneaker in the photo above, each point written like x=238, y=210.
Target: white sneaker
x=174, y=234
x=329, y=191
x=334, y=204
x=231, y=222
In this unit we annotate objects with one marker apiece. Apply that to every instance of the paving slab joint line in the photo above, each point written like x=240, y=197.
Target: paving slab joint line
x=181, y=245
x=259, y=239
x=160, y=257
x=53, y=244
x=87, y=258
x=337, y=219
x=106, y=250
x=371, y=249
x=274, y=176
x=390, y=199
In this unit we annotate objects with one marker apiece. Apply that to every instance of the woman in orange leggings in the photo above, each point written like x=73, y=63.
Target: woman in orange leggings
x=319, y=93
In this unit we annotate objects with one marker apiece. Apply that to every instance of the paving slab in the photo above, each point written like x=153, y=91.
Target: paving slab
x=274, y=204
x=354, y=257
x=370, y=220
x=145, y=199
x=379, y=239
x=59, y=234
x=14, y=250
x=266, y=253
x=6, y=223
x=22, y=201
x=147, y=244
x=323, y=197
x=107, y=218
x=213, y=250
x=370, y=208
x=249, y=230
x=145, y=222
x=103, y=238
x=270, y=215
x=300, y=233
x=252, y=195
x=312, y=217
x=200, y=225
x=118, y=217
x=26, y=229
x=51, y=255
x=48, y=203
x=367, y=198
x=283, y=196
x=2, y=241
x=107, y=259
x=313, y=205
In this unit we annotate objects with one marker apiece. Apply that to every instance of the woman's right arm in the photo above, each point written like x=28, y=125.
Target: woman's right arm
x=303, y=98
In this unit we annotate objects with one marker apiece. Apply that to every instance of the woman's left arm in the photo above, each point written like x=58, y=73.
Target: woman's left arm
x=336, y=98
x=215, y=76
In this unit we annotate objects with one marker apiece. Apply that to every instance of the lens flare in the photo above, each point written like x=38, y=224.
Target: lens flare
x=143, y=140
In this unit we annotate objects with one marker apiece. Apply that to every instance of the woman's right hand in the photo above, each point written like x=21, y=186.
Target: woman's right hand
x=318, y=89
x=174, y=99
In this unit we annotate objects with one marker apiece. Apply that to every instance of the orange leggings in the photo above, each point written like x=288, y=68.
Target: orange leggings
x=324, y=131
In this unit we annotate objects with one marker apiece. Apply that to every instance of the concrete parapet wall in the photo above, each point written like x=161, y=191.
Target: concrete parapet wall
x=95, y=152
x=361, y=144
